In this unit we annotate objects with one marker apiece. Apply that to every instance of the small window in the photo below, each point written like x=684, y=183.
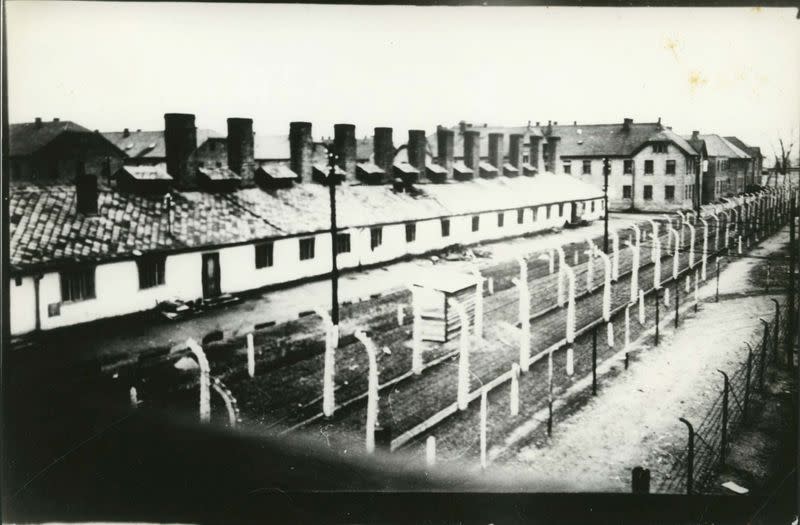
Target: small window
x=561, y=210
x=306, y=249
x=18, y=281
x=500, y=218
x=535, y=213
x=567, y=167
x=670, y=167
x=151, y=272
x=648, y=192
x=520, y=216
x=592, y=209
x=476, y=223
x=524, y=159
x=342, y=243
x=77, y=285
x=219, y=164
x=445, y=227
x=626, y=192
x=548, y=208
x=587, y=167
x=411, y=232
x=659, y=148
x=263, y=254
x=375, y=237
x=669, y=193
x=212, y=145
x=648, y=167
x=627, y=166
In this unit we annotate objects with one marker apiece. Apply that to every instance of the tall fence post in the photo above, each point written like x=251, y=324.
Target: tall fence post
x=484, y=410
x=430, y=451
x=677, y=301
x=657, y=317
x=372, y=389
x=724, y=438
x=416, y=333
x=205, y=379
x=463, y=356
x=329, y=366
x=251, y=356
x=717, y=293
x=478, y=323
x=594, y=361
x=763, y=355
x=747, y=382
x=550, y=392
x=776, y=335
x=514, y=391
x=690, y=458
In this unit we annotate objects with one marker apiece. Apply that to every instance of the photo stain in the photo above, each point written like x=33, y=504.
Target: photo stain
x=696, y=80
x=672, y=45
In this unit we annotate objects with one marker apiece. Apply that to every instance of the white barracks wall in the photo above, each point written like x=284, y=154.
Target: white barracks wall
x=22, y=305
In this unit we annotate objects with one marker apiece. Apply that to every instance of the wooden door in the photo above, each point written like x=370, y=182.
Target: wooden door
x=211, y=275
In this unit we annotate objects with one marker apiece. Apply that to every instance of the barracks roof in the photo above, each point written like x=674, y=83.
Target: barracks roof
x=46, y=230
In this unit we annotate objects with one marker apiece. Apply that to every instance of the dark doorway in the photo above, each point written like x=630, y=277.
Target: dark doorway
x=210, y=275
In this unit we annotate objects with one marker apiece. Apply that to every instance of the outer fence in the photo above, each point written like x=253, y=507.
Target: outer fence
x=709, y=439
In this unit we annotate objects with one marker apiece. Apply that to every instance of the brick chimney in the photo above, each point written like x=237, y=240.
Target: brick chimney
x=241, y=149
x=626, y=124
x=496, y=152
x=301, y=150
x=85, y=191
x=472, y=149
x=515, y=150
x=695, y=135
x=554, y=156
x=180, y=140
x=383, y=147
x=417, y=146
x=126, y=133
x=38, y=122
x=344, y=144
x=445, y=149
x=536, y=159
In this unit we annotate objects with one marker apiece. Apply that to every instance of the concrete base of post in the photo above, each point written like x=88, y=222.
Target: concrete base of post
x=610, y=334
x=514, y=391
x=430, y=451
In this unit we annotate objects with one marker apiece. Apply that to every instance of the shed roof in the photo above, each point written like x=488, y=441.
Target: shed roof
x=717, y=146
x=277, y=171
x=146, y=172
x=218, y=173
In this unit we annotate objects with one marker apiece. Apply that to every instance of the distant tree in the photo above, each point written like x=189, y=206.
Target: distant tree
x=783, y=160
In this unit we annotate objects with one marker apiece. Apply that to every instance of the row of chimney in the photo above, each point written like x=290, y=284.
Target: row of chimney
x=180, y=138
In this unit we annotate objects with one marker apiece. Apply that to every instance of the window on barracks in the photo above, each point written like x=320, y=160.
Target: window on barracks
x=476, y=223
x=500, y=218
x=626, y=192
x=567, y=167
x=561, y=210
x=659, y=148
x=535, y=213
x=151, y=271
x=669, y=193
x=587, y=167
x=520, y=216
x=648, y=192
x=592, y=207
x=548, y=208
x=77, y=285
x=445, y=227
x=263, y=253
x=375, y=237
x=306, y=249
x=411, y=232
x=670, y=167
x=342, y=243
x=627, y=166
x=648, y=167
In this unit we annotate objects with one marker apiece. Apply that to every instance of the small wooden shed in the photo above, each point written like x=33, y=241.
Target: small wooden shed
x=432, y=289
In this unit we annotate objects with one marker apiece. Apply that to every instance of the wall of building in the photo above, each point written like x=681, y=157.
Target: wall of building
x=117, y=289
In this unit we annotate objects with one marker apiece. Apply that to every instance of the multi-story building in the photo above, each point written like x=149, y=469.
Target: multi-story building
x=728, y=170
x=652, y=168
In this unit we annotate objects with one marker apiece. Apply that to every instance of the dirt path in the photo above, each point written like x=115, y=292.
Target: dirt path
x=634, y=420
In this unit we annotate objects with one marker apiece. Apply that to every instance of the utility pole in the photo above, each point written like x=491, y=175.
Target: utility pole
x=792, y=319
x=606, y=173
x=332, y=157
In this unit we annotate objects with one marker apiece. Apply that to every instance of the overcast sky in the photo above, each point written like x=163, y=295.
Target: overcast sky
x=109, y=66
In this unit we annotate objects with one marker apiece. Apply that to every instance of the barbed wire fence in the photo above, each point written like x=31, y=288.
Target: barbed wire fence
x=708, y=441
